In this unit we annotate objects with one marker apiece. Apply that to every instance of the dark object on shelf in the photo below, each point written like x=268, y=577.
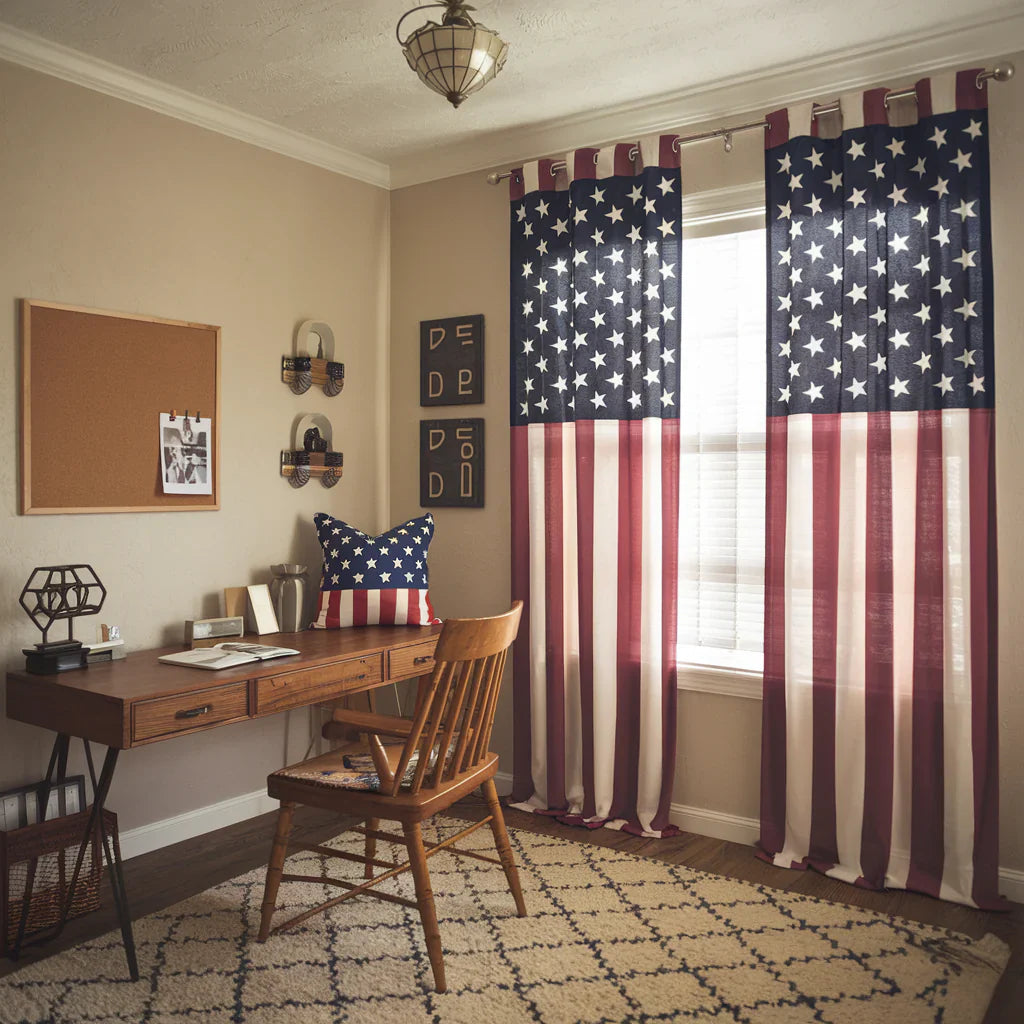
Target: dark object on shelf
x=314, y=458
x=313, y=442
x=36, y=867
x=452, y=463
x=301, y=371
x=59, y=592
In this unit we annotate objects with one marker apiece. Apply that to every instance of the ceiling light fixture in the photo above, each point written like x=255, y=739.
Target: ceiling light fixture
x=455, y=58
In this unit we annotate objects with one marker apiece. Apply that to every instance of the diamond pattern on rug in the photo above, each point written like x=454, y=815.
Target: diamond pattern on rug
x=610, y=937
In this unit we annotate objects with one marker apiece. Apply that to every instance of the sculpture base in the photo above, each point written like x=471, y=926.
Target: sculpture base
x=53, y=658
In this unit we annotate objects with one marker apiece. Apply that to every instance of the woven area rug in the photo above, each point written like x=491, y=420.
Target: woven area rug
x=609, y=937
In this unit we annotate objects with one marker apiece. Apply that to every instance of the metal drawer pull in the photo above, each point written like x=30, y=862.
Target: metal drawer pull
x=423, y=659
x=194, y=712
x=362, y=675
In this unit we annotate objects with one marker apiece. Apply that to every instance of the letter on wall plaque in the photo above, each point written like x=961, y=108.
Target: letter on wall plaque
x=452, y=361
x=452, y=463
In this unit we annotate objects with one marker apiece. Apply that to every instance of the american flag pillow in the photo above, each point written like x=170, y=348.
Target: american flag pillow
x=370, y=580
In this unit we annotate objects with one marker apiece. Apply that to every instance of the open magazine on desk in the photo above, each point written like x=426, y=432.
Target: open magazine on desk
x=226, y=655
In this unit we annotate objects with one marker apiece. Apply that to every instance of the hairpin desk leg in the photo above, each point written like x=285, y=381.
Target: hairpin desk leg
x=100, y=789
x=112, y=855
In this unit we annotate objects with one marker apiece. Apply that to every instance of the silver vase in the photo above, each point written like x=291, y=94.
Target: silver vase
x=288, y=592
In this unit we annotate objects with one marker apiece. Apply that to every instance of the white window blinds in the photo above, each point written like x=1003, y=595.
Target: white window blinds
x=722, y=423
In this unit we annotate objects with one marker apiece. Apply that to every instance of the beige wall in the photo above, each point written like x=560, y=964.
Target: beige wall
x=107, y=205
x=450, y=256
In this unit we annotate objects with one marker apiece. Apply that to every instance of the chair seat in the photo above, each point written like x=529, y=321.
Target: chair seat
x=321, y=782
x=349, y=766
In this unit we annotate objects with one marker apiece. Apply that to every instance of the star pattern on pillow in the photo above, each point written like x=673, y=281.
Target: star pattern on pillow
x=370, y=580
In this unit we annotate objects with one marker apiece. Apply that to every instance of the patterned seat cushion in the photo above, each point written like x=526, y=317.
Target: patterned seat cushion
x=348, y=768
x=351, y=767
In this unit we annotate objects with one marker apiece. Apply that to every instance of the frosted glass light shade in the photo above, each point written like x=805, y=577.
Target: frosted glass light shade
x=455, y=60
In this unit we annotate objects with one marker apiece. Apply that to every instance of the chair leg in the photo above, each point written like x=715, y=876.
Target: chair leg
x=274, y=869
x=503, y=845
x=425, y=900
x=372, y=824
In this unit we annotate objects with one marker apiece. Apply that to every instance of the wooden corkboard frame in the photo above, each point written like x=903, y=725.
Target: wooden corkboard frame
x=93, y=385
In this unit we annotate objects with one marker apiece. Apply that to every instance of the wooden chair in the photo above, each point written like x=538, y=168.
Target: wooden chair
x=444, y=757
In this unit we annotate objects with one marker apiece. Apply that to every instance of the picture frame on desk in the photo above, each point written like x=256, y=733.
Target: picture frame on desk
x=261, y=610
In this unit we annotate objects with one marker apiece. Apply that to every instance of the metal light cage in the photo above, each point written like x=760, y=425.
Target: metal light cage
x=457, y=57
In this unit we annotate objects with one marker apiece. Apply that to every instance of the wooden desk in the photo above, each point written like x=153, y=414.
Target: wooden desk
x=141, y=700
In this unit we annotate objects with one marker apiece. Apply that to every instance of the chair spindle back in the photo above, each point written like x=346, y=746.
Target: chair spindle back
x=455, y=711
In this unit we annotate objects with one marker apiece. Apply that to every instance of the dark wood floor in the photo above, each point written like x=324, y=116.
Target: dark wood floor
x=157, y=880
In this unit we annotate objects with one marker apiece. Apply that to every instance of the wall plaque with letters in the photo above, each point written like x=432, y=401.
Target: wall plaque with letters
x=452, y=463
x=452, y=361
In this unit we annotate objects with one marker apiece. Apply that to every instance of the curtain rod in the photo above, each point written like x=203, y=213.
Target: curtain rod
x=1000, y=73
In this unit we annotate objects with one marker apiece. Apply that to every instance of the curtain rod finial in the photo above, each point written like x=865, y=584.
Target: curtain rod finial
x=493, y=178
x=1003, y=71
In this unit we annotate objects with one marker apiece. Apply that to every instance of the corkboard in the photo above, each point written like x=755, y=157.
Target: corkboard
x=93, y=385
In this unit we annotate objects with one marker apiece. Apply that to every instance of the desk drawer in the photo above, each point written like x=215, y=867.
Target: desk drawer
x=310, y=686
x=415, y=660
x=167, y=715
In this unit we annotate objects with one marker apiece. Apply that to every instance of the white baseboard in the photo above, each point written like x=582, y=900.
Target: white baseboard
x=159, y=834
x=704, y=822
x=700, y=820
x=503, y=783
x=1011, y=884
x=716, y=824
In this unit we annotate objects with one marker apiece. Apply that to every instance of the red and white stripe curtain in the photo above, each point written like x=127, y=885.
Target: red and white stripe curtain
x=595, y=292
x=879, y=755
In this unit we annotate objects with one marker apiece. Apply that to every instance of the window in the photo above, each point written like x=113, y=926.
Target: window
x=722, y=471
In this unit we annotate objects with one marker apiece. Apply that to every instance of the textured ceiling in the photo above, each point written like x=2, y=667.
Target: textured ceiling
x=332, y=70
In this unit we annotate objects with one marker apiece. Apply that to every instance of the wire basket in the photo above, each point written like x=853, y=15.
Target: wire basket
x=39, y=860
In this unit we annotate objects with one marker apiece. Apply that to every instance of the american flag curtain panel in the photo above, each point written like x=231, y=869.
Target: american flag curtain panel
x=879, y=753
x=595, y=293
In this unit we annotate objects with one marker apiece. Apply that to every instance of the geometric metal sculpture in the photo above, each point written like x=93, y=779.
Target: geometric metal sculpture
x=55, y=593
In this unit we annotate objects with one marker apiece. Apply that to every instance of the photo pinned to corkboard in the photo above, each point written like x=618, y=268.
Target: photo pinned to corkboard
x=185, y=453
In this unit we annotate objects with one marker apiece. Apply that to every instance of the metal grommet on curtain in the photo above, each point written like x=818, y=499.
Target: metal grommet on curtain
x=828, y=110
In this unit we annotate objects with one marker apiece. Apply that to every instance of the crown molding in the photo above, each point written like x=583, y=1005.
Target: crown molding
x=822, y=77
x=39, y=54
